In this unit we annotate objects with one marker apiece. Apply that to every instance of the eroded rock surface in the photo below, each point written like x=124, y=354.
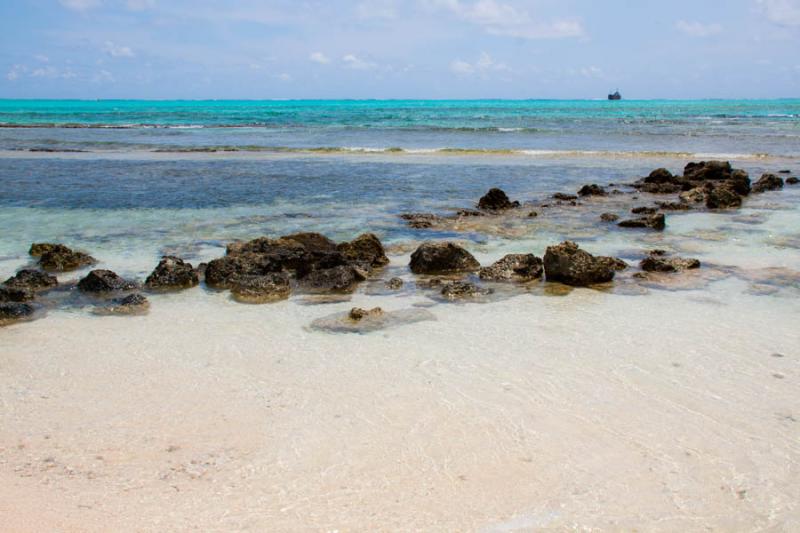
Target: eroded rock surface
x=514, y=267
x=442, y=258
x=568, y=264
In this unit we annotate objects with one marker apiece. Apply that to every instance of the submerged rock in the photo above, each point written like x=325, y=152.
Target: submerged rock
x=15, y=311
x=564, y=197
x=37, y=249
x=269, y=287
x=514, y=267
x=643, y=210
x=673, y=206
x=34, y=280
x=614, y=263
x=442, y=257
x=172, y=273
x=394, y=284
x=768, y=182
x=358, y=313
x=495, y=200
x=343, y=323
x=133, y=304
x=57, y=257
x=659, y=175
x=609, y=217
x=421, y=220
x=463, y=289
x=98, y=281
x=792, y=180
x=656, y=222
x=722, y=197
x=695, y=195
x=657, y=261
x=367, y=249
x=592, y=190
x=570, y=265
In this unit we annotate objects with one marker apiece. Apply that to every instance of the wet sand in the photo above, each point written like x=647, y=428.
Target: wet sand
x=673, y=411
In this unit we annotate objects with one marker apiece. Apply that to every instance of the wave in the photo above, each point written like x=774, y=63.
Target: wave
x=442, y=151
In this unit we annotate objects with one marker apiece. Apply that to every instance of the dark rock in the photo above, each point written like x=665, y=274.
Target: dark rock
x=570, y=265
x=609, y=217
x=133, y=304
x=104, y=281
x=421, y=220
x=564, y=197
x=739, y=182
x=643, y=210
x=31, y=279
x=768, y=182
x=172, y=273
x=693, y=196
x=366, y=248
x=656, y=261
x=13, y=311
x=394, y=284
x=16, y=294
x=708, y=170
x=358, y=313
x=39, y=248
x=463, y=289
x=660, y=175
x=61, y=258
x=785, y=171
x=673, y=206
x=534, y=214
x=470, y=213
x=614, y=263
x=660, y=188
x=220, y=273
x=312, y=241
x=792, y=181
x=342, y=278
x=442, y=257
x=518, y=267
x=269, y=287
x=656, y=222
x=722, y=197
x=496, y=199
x=592, y=190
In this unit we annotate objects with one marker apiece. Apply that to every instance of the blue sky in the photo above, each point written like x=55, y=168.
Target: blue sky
x=399, y=49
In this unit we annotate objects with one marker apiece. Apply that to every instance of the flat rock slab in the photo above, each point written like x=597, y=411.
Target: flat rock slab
x=342, y=323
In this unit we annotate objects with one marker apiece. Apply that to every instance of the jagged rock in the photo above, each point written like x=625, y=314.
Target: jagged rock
x=442, y=257
x=592, y=190
x=269, y=287
x=564, y=197
x=60, y=258
x=394, y=284
x=342, y=278
x=656, y=261
x=659, y=175
x=367, y=249
x=517, y=267
x=792, y=180
x=570, y=265
x=16, y=294
x=656, y=222
x=722, y=197
x=495, y=200
x=220, y=273
x=464, y=213
x=421, y=220
x=768, y=182
x=104, y=281
x=172, y=273
x=660, y=188
x=693, y=196
x=463, y=289
x=609, y=217
x=34, y=280
x=643, y=210
x=614, y=263
x=708, y=170
x=13, y=311
x=739, y=182
x=358, y=313
x=39, y=248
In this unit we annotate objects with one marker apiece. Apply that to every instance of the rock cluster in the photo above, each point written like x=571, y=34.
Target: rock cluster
x=60, y=258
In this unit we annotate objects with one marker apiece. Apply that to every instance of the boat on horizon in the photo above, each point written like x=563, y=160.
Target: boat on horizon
x=615, y=95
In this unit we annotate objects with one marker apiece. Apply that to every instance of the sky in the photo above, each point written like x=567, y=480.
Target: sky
x=251, y=49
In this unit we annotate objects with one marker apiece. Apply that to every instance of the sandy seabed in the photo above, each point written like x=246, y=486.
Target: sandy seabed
x=671, y=411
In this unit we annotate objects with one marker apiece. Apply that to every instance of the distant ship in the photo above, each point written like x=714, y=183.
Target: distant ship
x=615, y=96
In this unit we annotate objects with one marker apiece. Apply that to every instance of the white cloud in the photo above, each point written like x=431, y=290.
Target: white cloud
x=319, y=57
x=103, y=76
x=80, y=5
x=698, y=29
x=16, y=72
x=117, y=51
x=356, y=63
x=482, y=65
x=781, y=12
x=377, y=9
x=505, y=20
